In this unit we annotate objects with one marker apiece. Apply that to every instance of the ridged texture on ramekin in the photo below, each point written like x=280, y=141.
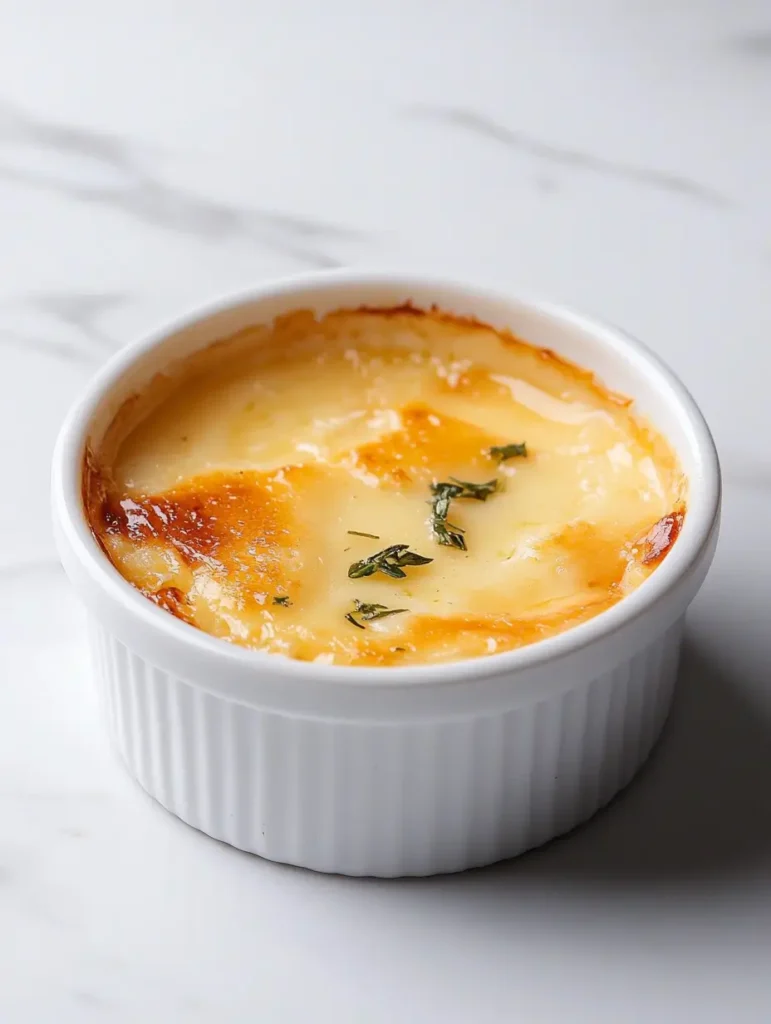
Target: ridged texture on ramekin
x=385, y=799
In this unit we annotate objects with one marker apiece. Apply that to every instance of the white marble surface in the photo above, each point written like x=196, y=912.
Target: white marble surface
x=616, y=155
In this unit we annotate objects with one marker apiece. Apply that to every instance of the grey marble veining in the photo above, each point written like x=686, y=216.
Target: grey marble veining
x=137, y=192
x=550, y=154
x=80, y=312
x=755, y=46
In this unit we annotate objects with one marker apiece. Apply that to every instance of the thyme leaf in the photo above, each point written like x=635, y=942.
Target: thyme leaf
x=355, y=623
x=448, y=535
x=444, y=493
x=502, y=452
x=284, y=601
x=412, y=558
x=368, y=612
x=479, y=491
x=392, y=569
x=445, y=533
x=389, y=561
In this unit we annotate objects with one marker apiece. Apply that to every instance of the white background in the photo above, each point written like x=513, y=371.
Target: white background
x=615, y=154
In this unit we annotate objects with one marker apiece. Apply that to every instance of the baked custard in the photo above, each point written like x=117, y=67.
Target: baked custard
x=382, y=487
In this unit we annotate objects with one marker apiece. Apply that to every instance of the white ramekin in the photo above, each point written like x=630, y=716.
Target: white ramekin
x=395, y=771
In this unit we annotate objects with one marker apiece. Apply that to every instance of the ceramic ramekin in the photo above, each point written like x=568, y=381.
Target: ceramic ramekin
x=389, y=771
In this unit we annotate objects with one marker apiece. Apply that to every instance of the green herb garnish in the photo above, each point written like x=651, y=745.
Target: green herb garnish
x=283, y=601
x=501, y=452
x=445, y=532
x=479, y=491
x=389, y=561
x=376, y=611
x=448, y=535
x=368, y=612
x=359, y=533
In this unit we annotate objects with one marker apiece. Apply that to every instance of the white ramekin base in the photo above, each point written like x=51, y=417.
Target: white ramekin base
x=385, y=799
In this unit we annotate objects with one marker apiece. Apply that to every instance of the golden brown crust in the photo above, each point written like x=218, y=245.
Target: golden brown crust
x=658, y=541
x=507, y=632
x=229, y=520
x=425, y=447
x=433, y=312
x=470, y=323
x=172, y=600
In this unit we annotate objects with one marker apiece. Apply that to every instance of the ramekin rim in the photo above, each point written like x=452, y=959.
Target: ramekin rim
x=693, y=542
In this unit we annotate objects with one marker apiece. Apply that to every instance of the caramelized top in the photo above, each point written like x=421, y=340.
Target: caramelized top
x=237, y=492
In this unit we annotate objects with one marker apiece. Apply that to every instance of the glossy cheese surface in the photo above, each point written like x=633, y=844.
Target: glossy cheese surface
x=235, y=493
